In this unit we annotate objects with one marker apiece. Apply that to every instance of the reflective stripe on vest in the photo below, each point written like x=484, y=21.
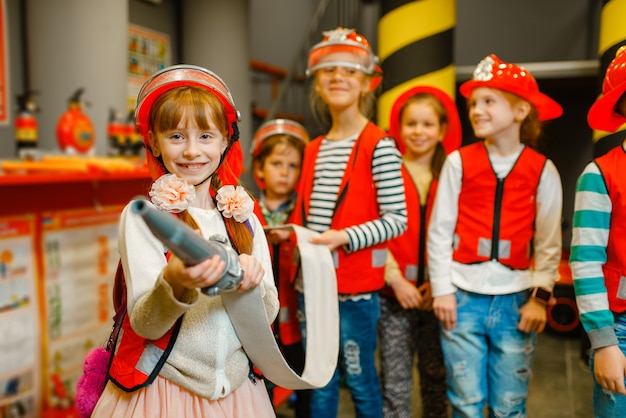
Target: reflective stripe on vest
x=137, y=361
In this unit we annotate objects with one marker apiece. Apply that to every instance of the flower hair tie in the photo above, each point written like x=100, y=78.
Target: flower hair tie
x=234, y=203
x=170, y=193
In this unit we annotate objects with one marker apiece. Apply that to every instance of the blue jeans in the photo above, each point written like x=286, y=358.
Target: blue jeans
x=357, y=346
x=488, y=361
x=609, y=404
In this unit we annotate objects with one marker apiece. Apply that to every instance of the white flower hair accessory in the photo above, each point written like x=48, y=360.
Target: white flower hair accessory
x=170, y=193
x=483, y=71
x=234, y=203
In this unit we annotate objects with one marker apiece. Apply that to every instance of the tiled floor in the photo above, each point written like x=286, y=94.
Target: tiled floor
x=560, y=386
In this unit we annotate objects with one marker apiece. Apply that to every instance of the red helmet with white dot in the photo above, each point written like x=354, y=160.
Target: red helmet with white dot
x=492, y=72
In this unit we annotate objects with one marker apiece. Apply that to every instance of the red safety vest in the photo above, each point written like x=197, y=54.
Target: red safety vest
x=613, y=168
x=409, y=249
x=136, y=361
x=361, y=271
x=289, y=325
x=496, y=216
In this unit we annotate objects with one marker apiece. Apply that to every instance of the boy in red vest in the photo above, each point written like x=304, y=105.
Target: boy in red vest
x=277, y=151
x=498, y=205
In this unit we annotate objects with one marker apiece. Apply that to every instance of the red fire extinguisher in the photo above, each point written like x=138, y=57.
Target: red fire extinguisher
x=134, y=141
x=26, y=134
x=75, y=132
x=116, y=132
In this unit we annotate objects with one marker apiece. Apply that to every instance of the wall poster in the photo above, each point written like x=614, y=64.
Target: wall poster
x=148, y=52
x=20, y=365
x=80, y=257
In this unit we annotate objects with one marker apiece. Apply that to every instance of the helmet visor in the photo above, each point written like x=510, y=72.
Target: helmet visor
x=341, y=54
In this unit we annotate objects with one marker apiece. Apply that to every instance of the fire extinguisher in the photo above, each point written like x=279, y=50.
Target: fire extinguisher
x=75, y=132
x=26, y=134
x=116, y=132
x=134, y=141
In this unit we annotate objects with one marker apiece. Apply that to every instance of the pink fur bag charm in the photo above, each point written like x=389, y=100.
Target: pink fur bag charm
x=91, y=384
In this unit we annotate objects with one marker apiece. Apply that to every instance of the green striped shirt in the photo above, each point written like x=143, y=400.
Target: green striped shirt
x=590, y=234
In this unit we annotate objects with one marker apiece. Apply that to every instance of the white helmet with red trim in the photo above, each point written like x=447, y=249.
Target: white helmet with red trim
x=180, y=76
x=184, y=75
x=347, y=41
x=275, y=127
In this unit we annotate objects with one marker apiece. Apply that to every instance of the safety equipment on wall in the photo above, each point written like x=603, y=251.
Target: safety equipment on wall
x=75, y=131
x=26, y=129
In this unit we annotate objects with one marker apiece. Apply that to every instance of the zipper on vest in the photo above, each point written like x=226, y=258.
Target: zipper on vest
x=497, y=209
x=421, y=254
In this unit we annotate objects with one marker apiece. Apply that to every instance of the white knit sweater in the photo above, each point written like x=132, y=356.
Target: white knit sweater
x=207, y=358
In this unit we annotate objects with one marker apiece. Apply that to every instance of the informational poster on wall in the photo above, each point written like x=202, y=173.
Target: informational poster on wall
x=20, y=364
x=80, y=257
x=148, y=52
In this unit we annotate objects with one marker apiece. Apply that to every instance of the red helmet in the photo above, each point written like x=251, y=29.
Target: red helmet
x=278, y=126
x=190, y=75
x=602, y=114
x=345, y=40
x=492, y=72
x=452, y=140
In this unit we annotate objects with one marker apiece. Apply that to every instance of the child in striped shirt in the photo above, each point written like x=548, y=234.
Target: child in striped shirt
x=351, y=192
x=598, y=249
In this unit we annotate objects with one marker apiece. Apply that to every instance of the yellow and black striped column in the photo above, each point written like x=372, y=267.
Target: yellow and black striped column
x=612, y=37
x=415, y=46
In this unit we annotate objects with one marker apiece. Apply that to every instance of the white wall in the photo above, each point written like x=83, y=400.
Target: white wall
x=73, y=44
x=216, y=36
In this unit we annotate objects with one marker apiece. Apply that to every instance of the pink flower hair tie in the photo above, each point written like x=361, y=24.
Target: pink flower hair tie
x=234, y=203
x=170, y=193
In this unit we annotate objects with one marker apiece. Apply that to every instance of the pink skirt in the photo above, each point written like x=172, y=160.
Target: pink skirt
x=166, y=399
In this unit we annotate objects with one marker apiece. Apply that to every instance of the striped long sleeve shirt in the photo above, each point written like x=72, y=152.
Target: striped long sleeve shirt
x=329, y=169
x=590, y=234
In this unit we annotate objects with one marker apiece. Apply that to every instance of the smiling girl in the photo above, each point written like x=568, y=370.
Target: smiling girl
x=178, y=353
x=351, y=192
x=426, y=124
